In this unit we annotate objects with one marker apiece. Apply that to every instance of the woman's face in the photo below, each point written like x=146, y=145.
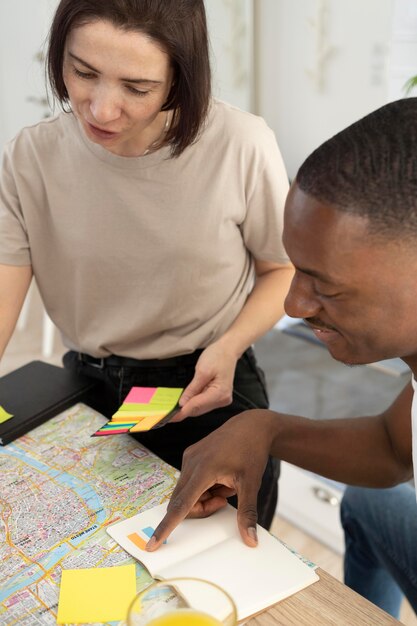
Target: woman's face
x=117, y=82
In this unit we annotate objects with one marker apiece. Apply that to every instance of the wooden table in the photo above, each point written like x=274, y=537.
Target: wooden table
x=327, y=602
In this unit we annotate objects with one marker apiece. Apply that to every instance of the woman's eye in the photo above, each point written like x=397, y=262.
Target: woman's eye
x=136, y=92
x=81, y=74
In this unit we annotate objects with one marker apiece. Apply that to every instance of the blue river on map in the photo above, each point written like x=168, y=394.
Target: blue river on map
x=84, y=491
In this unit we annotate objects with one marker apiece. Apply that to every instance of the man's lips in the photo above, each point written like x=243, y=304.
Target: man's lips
x=322, y=332
x=319, y=327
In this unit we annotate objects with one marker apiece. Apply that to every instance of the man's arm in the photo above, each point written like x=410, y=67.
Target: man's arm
x=373, y=451
x=14, y=284
x=368, y=451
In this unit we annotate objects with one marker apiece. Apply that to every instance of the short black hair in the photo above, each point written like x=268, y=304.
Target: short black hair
x=370, y=169
x=179, y=26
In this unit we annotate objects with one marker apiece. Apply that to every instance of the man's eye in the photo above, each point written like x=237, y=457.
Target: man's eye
x=327, y=295
x=322, y=293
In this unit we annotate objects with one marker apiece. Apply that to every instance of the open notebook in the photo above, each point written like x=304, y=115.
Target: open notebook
x=212, y=549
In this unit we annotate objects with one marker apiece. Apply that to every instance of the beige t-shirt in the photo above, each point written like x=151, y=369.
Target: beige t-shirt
x=145, y=257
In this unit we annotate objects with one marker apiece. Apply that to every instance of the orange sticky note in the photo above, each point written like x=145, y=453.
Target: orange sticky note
x=147, y=423
x=137, y=540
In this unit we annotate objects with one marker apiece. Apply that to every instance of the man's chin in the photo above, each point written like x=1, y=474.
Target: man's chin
x=348, y=360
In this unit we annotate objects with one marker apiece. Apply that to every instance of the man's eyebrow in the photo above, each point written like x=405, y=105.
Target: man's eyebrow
x=316, y=274
x=126, y=80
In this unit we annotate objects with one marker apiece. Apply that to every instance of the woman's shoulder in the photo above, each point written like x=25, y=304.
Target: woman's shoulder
x=230, y=117
x=41, y=135
x=229, y=126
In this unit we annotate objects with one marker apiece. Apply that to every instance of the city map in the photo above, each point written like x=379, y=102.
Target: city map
x=60, y=489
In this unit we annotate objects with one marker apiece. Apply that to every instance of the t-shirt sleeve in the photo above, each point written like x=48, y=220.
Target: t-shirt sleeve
x=266, y=190
x=14, y=244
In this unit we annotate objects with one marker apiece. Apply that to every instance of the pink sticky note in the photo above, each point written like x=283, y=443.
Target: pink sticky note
x=140, y=395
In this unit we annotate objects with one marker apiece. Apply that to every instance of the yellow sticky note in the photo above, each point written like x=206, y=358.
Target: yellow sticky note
x=101, y=594
x=4, y=415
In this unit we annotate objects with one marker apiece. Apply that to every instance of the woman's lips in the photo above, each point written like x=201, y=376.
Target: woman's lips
x=98, y=132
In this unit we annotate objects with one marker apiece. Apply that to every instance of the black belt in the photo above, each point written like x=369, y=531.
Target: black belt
x=121, y=361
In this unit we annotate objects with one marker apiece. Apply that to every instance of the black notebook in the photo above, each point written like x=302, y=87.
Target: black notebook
x=36, y=392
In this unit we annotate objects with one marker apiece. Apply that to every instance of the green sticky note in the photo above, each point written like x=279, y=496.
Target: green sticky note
x=4, y=415
x=166, y=396
x=96, y=595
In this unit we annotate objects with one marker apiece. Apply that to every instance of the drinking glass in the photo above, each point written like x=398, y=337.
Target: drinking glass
x=182, y=602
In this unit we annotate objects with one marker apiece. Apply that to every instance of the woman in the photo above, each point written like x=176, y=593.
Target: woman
x=150, y=215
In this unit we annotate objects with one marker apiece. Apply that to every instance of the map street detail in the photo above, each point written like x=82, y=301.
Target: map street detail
x=60, y=489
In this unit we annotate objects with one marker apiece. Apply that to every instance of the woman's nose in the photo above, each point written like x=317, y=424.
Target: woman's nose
x=104, y=106
x=301, y=300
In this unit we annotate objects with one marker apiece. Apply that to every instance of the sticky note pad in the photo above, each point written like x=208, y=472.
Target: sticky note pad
x=4, y=415
x=143, y=408
x=144, y=401
x=100, y=594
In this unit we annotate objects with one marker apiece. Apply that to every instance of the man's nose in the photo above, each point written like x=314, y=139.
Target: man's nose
x=301, y=300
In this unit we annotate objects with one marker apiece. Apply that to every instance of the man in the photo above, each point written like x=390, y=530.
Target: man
x=351, y=232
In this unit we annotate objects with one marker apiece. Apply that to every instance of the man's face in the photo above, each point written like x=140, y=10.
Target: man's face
x=357, y=292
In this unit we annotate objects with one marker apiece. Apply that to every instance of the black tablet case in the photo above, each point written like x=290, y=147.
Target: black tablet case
x=36, y=392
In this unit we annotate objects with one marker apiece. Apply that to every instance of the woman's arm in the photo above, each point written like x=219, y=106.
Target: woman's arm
x=14, y=284
x=263, y=308
x=212, y=385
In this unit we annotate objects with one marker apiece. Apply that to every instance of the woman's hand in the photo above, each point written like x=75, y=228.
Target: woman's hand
x=212, y=385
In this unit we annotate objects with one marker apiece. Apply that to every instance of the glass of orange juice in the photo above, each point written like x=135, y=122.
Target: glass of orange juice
x=182, y=602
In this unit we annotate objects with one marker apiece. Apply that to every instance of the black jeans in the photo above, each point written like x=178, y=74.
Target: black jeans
x=169, y=442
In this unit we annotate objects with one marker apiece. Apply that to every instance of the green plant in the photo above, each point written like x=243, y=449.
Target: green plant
x=410, y=84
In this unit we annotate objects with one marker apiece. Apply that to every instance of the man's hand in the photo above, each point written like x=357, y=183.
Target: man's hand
x=231, y=460
x=212, y=385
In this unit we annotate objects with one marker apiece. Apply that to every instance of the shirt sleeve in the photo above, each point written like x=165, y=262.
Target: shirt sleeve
x=266, y=191
x=14, y=244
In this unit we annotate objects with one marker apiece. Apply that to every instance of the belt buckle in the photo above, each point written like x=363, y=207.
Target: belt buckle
x=99, y=365
x=89, y=360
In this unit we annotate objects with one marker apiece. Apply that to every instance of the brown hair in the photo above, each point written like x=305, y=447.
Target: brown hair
x=179, y=26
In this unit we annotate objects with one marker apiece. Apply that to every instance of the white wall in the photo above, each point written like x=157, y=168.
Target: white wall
x=230, y=24
x=23, y=28
x=321, y=65
x=403, y=57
